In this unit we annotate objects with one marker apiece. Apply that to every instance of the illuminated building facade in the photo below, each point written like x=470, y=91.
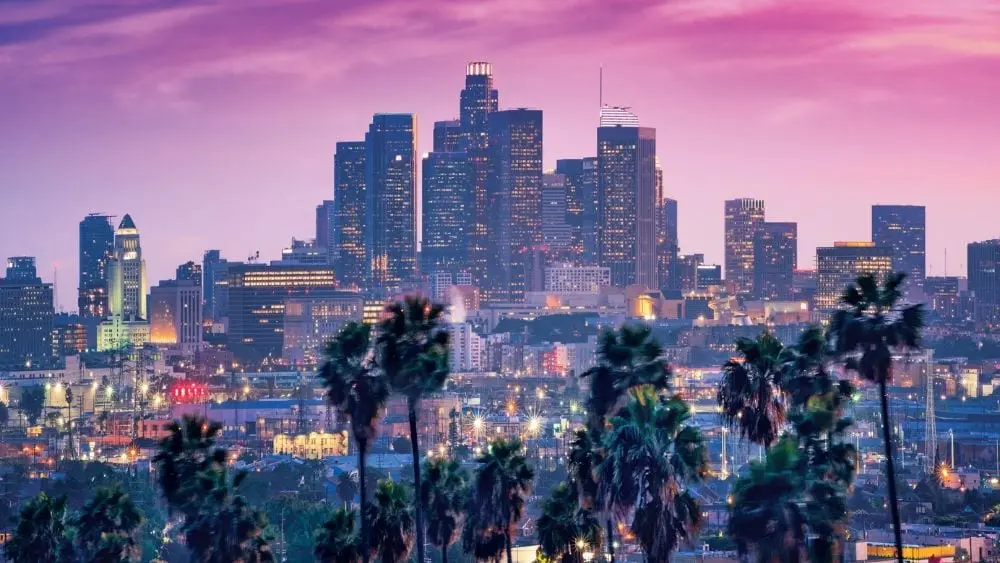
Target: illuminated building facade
x=557, y=235
x=667, y=245
x=448, y=136
x=69, y=337
x=839, y=266
x=97, y=241
x=943, y=296
x=902, y=229
x=687, y=271
x=257, y=295
x=326, y=225
x=708, y=276
x=127, y=274
x=26, y=317
x=515, y=200
x=350, y=202
x=391, y=203
x=309, y=323
x=775, y=260
x=581, y=206
x=215, y=286
x=567, y=278
x=465, y=348
x=626, y=176
x=175, y=314
x=477, y=101
x=447, y=203
x=984, y=280
x=744, y=220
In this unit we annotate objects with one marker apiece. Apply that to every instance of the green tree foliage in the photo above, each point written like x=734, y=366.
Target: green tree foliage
x=42, y=534
x=500, y=487
x=105, y=530
x=444, y=494
x=337, y=540
x=751, y=394
x=392, y=522
x=32, y=403
x=565, y=530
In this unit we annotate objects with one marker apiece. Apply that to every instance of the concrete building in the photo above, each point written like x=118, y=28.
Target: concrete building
x=775, y=260
x=839, y=266
x=175, y=314
x=309, y=323
x=466, y=348
x=984, y=280
x=567, y=278
x=744, y=219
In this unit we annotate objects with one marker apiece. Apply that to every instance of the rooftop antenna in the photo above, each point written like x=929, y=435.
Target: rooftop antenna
x=946, y=261
x=600, y=86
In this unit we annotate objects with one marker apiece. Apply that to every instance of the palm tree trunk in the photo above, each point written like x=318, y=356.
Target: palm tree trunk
x=362, y=450
x=444, y=553
x=890, y=469
x=415, y=450
x=611, y=541
x=510, y=553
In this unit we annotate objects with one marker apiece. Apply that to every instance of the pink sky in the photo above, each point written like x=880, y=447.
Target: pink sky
x=213, y=124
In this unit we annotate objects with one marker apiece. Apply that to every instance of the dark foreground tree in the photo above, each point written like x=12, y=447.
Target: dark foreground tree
x=337, y=541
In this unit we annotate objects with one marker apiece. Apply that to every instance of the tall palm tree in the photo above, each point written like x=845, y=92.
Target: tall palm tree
x=444, y=496
x=184, y=455
x=391, y=521
x=42, y=534
x=106, y=528
x=650, y=454
x=500, y=487
x=750, y=393
x=337, y=541
x=627, y=359
x=865, y=332
x=566, y=530
x=584, y=457
x=226, y=528
x=358, y=392
x=412, y=350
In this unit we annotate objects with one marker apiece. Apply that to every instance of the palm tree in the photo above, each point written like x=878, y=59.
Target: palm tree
x=359, y=393
x=750, y=393
x=337, y=541
x=42, y=534
x=226, y=528
x=502, y=483
x=392, y=522
x=443, y=499
x=565, y=530
x=865, y=332
x=627, y=359
x=413, y=352
x=650, y=455
x=584, y=458
x=185, y=455
x=106, y=528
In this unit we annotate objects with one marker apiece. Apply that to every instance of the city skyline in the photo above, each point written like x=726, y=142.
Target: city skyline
x=107, y=116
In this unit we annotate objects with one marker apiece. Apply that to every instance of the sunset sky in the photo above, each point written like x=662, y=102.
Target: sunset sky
x=213, y=123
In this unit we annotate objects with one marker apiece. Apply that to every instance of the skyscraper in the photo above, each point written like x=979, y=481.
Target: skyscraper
x=839, y=266
x=191, y=272
x=626, y=176
x=448, y=136
x=515, y=202
x=325, y=227
x=215, y=285
x=775, y=260
x=902, y=229
x=391, y=210
x=447, y=202
x=556, y=231
x=350, y=204
x=478, y=99
x=26, y=317
x=667, y=245
x=984, y=280
x=97, y=240
x=127, y=274
x=744, y=219
x=581, y=205
x=175, y=313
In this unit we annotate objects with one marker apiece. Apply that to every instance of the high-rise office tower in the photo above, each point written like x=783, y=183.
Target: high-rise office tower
x=839, y=266
x=97, y=240
x=215, y=286
x=581, y=205
x=391, y=210
x=687, y=271
x=350, y=204
x=326, y=225
x=26, y=317
x=744, y=219
x=667, y=245
x=626, y=176
x=515, y=201
x=943, y=296
x=478, y=99
x=258, y=294
x=127, y=274
x=447, y=202
x=902, y=228
x=190, y=271
x=984, y=280
x=175, y=313
x=557, y=235
x=775, y=260
x=448, y=136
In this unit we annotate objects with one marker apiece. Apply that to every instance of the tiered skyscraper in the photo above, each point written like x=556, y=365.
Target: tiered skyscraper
x=479, y=99
x=350, y=203
x=97, y=241
x=515, y=201
x=902, y=228
x=775, y=260
x=984, y=280
x=127, y=274
x=744, y=220
x=626, y=177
